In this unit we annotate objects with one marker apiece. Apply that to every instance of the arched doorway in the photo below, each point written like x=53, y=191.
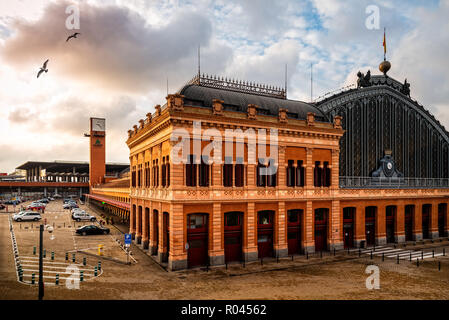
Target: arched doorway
x=390, y=213
x=409, y=216
x=321, y=229
x=265, y=221
x=166, y=231
x=233, y=222
x=442, y=223
x=294, y=218
x=348, y=227
x=197, y=239
x=370, y=225
x=156, y=231
x=426, y=209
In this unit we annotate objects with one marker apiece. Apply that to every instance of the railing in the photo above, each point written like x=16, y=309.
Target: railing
x=393, y=183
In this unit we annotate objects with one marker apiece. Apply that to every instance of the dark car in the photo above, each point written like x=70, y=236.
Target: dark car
x=2, y=207
x=91, y=229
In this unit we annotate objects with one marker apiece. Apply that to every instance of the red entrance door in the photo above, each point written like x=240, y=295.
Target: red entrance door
x=390, y=213
x=348, y=227
x=321, y=229
x=265, y=233
x=370, y=225
x=233, y=222
x=426, y=220
x=166, y=236
x=409, y=210
x=294, y=231
x=442, y=207
x=156, y=230
x=197, y=239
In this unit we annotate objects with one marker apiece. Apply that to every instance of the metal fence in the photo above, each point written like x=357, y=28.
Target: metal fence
x=392, y=183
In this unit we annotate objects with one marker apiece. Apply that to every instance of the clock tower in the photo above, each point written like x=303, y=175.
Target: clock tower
x=97, y=147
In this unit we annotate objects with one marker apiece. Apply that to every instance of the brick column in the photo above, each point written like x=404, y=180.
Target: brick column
x=309, y=241
x=336, y=228
x=280, y=232
x=335, y=173
x=216, y=252
x=132, y=219
x=177, y=258
x=250, y=233
x=281, y=167
x=145, y=231
x=139, y=225
x=153, y=232
x=434, y=221
x=309, y=168
x=360, y=232
x=417, y=222
x=399, y=223
x=381, y=231
x=162, y=249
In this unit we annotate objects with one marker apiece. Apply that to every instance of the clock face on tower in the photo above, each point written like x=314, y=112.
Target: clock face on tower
x=98, y=124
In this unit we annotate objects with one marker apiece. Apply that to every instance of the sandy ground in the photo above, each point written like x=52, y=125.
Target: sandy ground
x=339, y=277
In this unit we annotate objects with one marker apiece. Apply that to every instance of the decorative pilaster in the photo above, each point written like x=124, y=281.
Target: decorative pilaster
x=280, y=245
x=177, y=258
x=216, y=253
x=434, y=221
x=309, y=242
x=309, y=168
x=399, y=223
x=336, y=229
x=360, y=232
x=381, y=234
x=250, y=234
x=417, y=223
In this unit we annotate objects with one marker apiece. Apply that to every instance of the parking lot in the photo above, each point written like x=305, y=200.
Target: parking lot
x=67, y=255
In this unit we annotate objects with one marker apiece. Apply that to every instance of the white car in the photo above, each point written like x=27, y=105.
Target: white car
x=79, y=216
x=27, y=216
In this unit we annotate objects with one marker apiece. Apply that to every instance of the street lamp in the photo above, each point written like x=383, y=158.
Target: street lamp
x=41, y=262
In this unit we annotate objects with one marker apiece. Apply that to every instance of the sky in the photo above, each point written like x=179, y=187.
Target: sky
x=118, y=68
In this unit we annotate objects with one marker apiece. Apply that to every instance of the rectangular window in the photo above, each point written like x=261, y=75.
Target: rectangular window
x=227, y=175
x=239, y=175
x=300, y=176
x=261, y=174
x=167, y=167
x=204, y=172
x=290, y=174
x=271, y=174
x=317, y=175
x=163, y=172
x=191, y=171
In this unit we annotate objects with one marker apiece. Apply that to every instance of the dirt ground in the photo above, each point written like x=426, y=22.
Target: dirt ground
x=330, y=277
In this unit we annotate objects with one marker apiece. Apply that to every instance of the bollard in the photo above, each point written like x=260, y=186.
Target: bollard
x=292, y=257
x=371, y=255
x=360, y=252
x=73, y=257
x=307, y=255
x=84, y=261
x=66, y=256
x=32, y=278
x=444, y=251
x=397, y=259
x=81, y=276
x=95, y=271
x=207, y=267
x=45, y=253
x=20, y=276
x=383, y=256
x=34, y=250
x=433, y=253
x=439, y=265
x=422, y=255
x=226, y=264
x=99, y=265
x=57, y=279
x=52, y=256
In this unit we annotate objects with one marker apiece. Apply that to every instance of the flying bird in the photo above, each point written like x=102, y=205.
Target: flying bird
x=43, y=68
x=73, y=36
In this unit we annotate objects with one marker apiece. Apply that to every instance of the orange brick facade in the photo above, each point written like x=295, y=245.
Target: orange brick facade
x=162, y=205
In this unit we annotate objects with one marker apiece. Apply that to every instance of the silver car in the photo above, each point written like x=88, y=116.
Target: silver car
x=79, y=216
x=27, y=216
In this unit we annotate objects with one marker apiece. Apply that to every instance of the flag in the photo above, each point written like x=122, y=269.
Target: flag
x=385, y=43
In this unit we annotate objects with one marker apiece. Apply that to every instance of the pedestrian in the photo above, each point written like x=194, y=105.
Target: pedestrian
x=112, y=221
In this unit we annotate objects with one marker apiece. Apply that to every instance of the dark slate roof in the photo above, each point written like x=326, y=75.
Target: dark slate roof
x=202, y=96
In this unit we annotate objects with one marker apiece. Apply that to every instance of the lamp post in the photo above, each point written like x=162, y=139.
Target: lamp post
x=41, y=262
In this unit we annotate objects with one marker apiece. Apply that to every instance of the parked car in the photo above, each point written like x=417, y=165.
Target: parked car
x=36, y=207
x=70, y=205
x=78, y=216
x=2, y=206
x=44, y=200
x=51, y=199
x=91, y=229
x=27, y=216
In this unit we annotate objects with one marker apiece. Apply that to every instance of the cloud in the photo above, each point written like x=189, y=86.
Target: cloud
x=117, y=49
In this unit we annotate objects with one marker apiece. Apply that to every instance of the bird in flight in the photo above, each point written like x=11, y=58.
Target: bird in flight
x=43, y=68
x=73, y=36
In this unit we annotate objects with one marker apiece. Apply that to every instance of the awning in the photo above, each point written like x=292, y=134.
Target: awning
x=115, y=203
